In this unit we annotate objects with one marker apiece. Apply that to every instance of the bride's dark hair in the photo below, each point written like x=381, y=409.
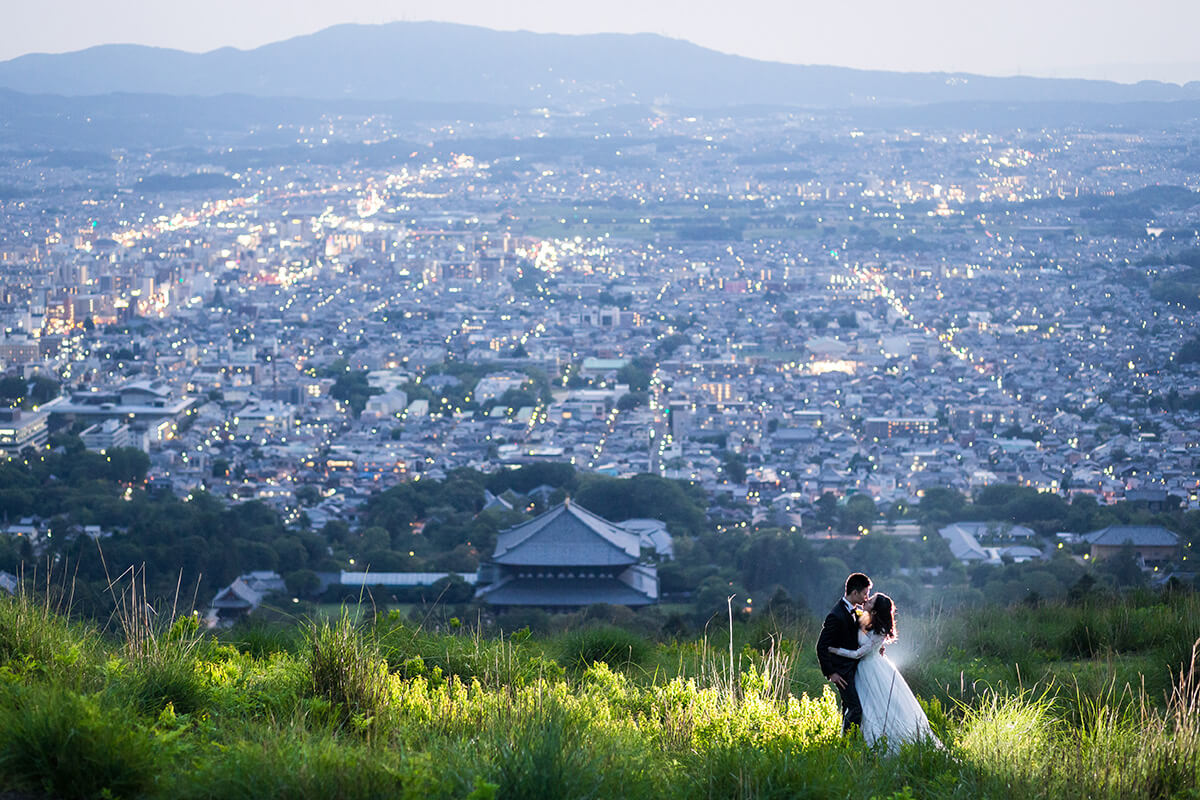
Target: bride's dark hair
x=883, y=617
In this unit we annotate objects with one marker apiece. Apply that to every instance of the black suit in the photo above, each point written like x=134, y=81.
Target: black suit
x=841, y=630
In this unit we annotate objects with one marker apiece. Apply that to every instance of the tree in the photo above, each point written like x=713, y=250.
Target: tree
x=517, y=398
x=630, y=401
x=1189, y=352
x=644, y=496
x=453, y=590
x=42, y=390
x=774, y=557
x=352, y=389
x=941, y=505
x=128, y=464
x=637, y=378
x=826, y=509
x=1123, y=568
x=302, y=583
x=858, y=513
x=13, y=388
x=308, y=495
x=530, y=476
x=669, y=344
x=734, y=467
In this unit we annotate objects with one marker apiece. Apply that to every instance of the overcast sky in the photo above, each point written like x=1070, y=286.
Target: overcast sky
x=1114, y=39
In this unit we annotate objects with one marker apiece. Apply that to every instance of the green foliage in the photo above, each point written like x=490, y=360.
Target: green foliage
x=673, y=502
x=540, y=757
x=605, y=644
x=635, y=376
x=128, y=464
x=17, y=391
x=1182, y=288
x=530, y=476
x=942, y=504
x=351, y=387
x=734, y=467
x=667, y=345
x=1189, y=352
x=466, y=656
x=172, y=677
x=67, y=745
x=35, y=638
x=261, y=639
x=346, y=669
x=455, y=713
x=631, y=400
x=296, y=766
x=859, y=513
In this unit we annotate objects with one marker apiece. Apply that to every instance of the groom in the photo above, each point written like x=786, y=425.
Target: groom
x=841, y=630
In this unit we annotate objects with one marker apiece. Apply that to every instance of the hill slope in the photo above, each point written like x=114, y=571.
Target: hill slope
x=442, y=62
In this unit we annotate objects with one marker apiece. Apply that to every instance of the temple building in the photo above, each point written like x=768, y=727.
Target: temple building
x=567, y=558
x=1153, y=545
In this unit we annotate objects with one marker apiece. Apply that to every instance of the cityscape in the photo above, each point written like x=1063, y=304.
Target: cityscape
x=809, y=321
x=420, y=409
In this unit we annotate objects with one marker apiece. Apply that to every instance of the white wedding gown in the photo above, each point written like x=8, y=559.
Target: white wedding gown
x=890, y=709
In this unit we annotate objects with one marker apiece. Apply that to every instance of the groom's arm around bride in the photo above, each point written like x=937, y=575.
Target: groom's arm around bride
x=833, y=634
x=841, y=630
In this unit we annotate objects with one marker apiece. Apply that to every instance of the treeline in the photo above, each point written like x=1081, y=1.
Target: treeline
x=199, y=543
x=1047, y=513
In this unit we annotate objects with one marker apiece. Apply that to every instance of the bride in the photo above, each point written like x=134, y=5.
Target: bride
x=890, y=710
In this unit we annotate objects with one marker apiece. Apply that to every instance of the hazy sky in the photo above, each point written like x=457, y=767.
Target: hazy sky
x=1114, y=39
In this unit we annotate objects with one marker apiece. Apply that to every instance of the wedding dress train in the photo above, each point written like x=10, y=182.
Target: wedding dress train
x=890, y=709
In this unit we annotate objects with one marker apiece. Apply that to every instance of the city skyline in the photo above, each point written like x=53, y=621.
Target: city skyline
x=1110, y=43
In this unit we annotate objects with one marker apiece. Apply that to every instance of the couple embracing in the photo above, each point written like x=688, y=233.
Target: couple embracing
x=875, y=697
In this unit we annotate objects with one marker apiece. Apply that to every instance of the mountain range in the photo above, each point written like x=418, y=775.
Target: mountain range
x=433, y=62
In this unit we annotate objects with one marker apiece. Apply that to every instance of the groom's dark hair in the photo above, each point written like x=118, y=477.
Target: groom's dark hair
x=857, y=582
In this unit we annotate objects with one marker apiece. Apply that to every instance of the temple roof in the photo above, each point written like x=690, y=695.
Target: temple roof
x=568, y=535
x=565, y=592
x=1135, y=535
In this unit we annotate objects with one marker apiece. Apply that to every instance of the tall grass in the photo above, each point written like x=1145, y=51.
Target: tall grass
x=262, y=639
x=162, y=665
x=65, y=745
x=542, y=754
x=36, y=637
x=1119, y=745
x=347, y=670
x=604, y=644
x=466, y=654
x=296, y=766
x=384, y=708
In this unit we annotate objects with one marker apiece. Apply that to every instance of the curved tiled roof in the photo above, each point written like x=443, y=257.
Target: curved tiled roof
x=568, y=592
x=1136, y=535
x=568, y=535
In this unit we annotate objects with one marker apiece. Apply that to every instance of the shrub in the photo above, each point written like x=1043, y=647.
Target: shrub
x=493, y=662
x=547, y=752
x=65, y=745
x=613, y=646
x=164, y=668
x=260, y=639
x=33, y=637
x=346, y=669
x=172, y=678
x=286, y=769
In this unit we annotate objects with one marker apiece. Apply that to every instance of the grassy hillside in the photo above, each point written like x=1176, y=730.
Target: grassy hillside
x=1055, y=701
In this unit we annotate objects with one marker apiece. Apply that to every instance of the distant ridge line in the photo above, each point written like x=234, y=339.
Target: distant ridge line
x=439, y=62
